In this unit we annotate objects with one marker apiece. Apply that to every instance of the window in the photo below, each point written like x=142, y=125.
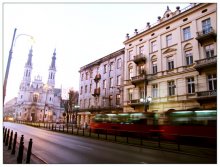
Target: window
x=141, y=69
x=105, y=68
x=119, y=63
x=130, y=92
x=142, y=94
x=189, y=57
x=119, y=80
x=170, y=63
x=35, y=97
x=141, y=50
x=87, y=75
x=118, y=99
x=168, y=40
x=82, y=76
x=130, y=72
x=209, y=50
x=86, y=89
x=111, y=66
x=130, y=55
x=206, y=26
x=186, y=33
x=104, y=84
x=91, y=72
x=191, y=85
x=171, y=88
x=110, y=100
x=84, y=104
x=154, y=90
x=153, y=46
x=212, y=81
x=90, y=88
x=154, y=67
x=111, y=83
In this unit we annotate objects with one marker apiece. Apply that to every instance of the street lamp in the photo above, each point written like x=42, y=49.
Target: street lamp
x=146, y=101
x=9, y=61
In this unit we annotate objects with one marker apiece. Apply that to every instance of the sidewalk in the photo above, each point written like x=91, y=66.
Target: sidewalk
x=8, y=158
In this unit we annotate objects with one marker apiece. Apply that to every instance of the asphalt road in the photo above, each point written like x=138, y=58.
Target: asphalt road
x=58, y=148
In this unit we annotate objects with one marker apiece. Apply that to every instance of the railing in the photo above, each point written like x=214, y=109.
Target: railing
x=207, y=93
x=205, y=32
x=139, y=57
x=138, y=78
x=208, y=60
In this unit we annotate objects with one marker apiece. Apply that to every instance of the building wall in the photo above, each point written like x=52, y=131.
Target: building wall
x=108, y=68
x=176, y=51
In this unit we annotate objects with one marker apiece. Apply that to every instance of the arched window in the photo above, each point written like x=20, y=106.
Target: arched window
x=130, y=71
x=154, y=64
x=188, y=54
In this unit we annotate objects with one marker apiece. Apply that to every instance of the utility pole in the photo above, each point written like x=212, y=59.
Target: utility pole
x=8, y=67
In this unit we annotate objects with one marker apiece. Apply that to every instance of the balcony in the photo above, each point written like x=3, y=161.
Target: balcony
x=138, y=79
x=207, y=62
x=140, y=58
x=210, y=93
x=97, y=77
x=96, y=92
x=206, y=34
x=207, y=96
x=135, y=102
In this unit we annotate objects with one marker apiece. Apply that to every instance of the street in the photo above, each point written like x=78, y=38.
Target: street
x=58, y=148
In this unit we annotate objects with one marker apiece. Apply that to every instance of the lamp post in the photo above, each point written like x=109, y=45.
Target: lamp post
x=9, y=62
x=146, y=101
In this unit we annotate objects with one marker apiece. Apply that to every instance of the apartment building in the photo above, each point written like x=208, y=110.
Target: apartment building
x=101, y=86
x=171, y=65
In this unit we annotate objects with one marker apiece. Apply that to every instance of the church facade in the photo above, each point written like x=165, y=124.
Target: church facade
x=38, y=101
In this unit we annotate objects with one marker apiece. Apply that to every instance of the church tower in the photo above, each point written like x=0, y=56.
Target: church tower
x=27, y=71
x=52, y=71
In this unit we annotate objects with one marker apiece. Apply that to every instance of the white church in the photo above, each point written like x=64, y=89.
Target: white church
x=38, y=101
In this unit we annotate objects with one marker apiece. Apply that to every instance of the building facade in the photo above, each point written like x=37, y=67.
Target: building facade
x=173, y=62
x=36, y=101
x=101, y=86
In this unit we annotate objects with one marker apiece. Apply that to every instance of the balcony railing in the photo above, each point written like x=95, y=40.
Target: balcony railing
x=210, y=93
x=97, y=77
x=206, y=34
x=139, y=58
x=203, y=63
x=96, y=92
x=138, y=79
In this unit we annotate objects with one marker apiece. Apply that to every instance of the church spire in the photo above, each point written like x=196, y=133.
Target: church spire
x=52, y=70
x=53, y=66
x=29, y=60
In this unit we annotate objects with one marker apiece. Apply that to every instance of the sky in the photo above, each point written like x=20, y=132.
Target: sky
x=80, y=32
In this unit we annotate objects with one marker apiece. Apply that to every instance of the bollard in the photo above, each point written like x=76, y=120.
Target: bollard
x=59, y=127
x=29, y=152
x=22, y=138
x=52, y=127
x=5, y=132
x=83, y=131
x=63, y=128
x=6, y=142
x=10, y=140
x=14, y=143
x=20, y=153
x=106, y=133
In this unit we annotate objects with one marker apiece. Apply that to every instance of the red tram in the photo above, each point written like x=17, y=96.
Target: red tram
x=189, y=123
